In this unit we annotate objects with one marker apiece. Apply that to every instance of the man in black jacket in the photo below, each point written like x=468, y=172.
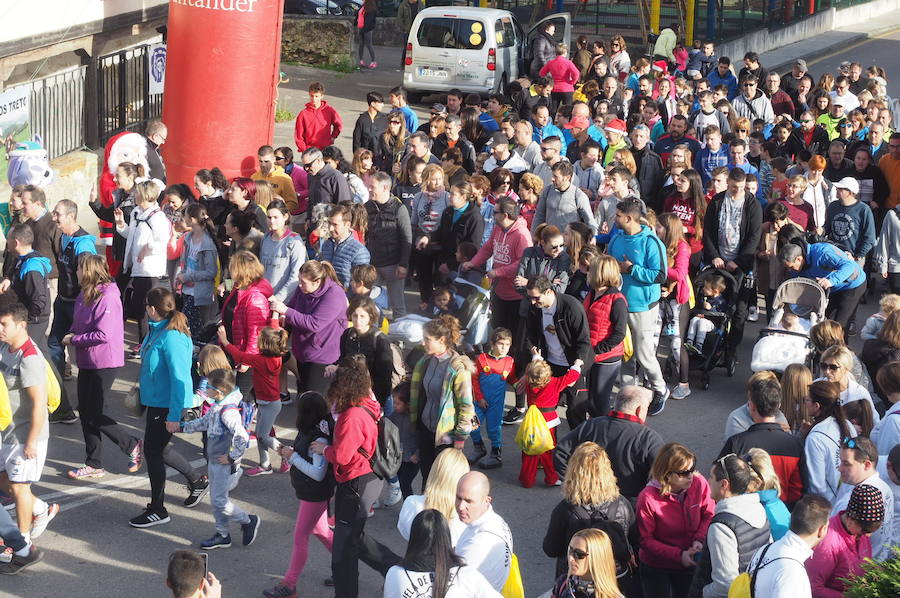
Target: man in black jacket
x=389, y=239
x=370, y=123
x=453, y=137
x=650, y=171
x=785, y=449
x=326, y=185
x=556, y=325
x=631, y=446
x=731, y=230
x=156, y=136
x=808, y=136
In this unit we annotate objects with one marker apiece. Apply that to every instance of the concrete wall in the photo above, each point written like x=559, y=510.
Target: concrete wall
x=765, y=40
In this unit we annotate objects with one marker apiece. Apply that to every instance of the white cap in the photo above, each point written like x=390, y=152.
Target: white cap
x=849, y=183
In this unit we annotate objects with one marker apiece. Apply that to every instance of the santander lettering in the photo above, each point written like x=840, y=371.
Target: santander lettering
x=223, y=5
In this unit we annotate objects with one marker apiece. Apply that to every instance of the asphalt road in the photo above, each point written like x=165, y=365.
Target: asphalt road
x=91, y=551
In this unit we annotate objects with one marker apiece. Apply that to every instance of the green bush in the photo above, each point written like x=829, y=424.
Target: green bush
x=878, y=581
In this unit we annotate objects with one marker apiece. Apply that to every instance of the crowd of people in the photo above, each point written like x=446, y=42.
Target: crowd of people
x=628, y=204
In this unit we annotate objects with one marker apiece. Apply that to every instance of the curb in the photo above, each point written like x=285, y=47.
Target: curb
x=786, y=66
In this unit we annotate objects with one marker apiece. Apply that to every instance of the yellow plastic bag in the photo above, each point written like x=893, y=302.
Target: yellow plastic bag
x=740, y=587
x=513, y=587
x=534, y=436
x=53, y=397
x=628, y=344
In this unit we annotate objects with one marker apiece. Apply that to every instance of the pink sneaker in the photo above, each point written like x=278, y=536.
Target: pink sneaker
x=284, y=467
x=257, y=471
x=373, y=64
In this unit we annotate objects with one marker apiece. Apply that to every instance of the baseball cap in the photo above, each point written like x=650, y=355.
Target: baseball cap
x=438, y=109
x=801, y=64
x=849, y=183
x=837, y=101
x=578, y=122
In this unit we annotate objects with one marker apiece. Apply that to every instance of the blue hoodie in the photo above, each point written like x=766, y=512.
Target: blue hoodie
x=548, y=130
x=166, y=357
x=824, y=260
x=729, y=81
x=30, y=286
x=776, y=512
x=648, y=255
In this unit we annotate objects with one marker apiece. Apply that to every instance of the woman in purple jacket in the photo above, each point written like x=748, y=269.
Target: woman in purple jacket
x=98, y=336
x=316, y=316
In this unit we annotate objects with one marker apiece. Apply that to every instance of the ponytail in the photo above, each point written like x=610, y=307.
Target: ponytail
x=828, y=396
x=198, y=212
x=319, y=271
x=163, y=301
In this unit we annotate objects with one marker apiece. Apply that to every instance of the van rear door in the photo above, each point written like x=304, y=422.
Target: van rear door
x=433, y=60
x=470, y=52
x=563, y=33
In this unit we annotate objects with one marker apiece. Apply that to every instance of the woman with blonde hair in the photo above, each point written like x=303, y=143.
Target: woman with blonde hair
x=97, y=337
x=794, y=384
x=673, y=515
x=607, y=317
x=590, y=494
x=440, y=493
x=591, y=571
x=836, y=366
x=769, y=490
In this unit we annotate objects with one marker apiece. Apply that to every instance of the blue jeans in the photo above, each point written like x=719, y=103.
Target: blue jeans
x=10, y=533
x=63, y=317
x=221, y=482
x=491, y=420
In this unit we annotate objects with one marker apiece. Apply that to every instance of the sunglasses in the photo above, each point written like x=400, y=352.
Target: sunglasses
x=831, y=367
x=308, y=165
x=685, y=473
x=721, y=463
x=552, y=247
x=395, y=122
x=749, y=84
x=578, y=555
x=279, y=158
x=850, y=443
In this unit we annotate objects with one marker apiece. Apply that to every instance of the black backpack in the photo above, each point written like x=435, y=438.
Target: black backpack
x=388, y=451
x=598, y=519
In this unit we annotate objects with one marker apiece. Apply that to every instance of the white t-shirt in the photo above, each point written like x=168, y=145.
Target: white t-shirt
x=465, y=582
x=487, y=545
x=415, y=504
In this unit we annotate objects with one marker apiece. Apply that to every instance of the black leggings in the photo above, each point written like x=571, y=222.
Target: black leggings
x=601, y=378
x=158, y=454
x=94, y=386
x=426, y=262
x=842, y=304
x=312, y=377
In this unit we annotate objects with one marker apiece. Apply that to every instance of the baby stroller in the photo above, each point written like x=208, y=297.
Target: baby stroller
x=473, y=310
x=777, y=347
x=713, y=352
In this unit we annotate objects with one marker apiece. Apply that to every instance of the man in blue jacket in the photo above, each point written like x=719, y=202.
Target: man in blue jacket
x=342, y=249
x=831, y=268
x=722, y=75
x=642, y=262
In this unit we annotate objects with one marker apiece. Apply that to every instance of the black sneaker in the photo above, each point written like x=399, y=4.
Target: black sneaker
x=329, y=582
x=285, y=398
x=480, y=451
x=513, y=416
x=150, y=518
x=217, y=541
x=196, y=492
x=659, y=402
x=63, y=418
x=852, y=329
x=20, y=562
x=249, y=530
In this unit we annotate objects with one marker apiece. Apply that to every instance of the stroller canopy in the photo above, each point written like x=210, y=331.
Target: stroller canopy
x=803, y=292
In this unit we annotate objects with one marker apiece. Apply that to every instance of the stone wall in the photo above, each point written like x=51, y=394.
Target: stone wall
x=388, y=34
x=318, y=41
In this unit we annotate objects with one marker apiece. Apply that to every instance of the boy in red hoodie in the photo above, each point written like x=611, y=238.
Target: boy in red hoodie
x=318, y=125
x=542, y=390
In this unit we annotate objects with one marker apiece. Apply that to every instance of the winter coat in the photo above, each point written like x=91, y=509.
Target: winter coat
x=356, y=429
x=328, y=187
x=165, y=379
x=376, y=348
x=543, y=50
x=824, y=260
x=224, y=427
x=650, y=175
x=758, y=106
x=317, y=321
x=317, y=127
x=98, y=331
x=343, y=255
x=506, y=247
x=534, y=262
x=456, y=412
x=571, y=329
x=251, y=314
x=785, y=449
x=607, y=316
x=147, y=228
x=389, y=236
x=818, y=143
x=468, y=227
x=29, y=284
x=837, y=557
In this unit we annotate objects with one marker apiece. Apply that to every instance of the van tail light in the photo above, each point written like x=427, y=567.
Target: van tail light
x=408, y=60
x=492, y=60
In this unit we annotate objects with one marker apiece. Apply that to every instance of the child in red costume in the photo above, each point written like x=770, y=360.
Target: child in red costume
x=542, y=390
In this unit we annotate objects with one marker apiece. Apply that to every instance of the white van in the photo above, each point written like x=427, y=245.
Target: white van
x=475, y=50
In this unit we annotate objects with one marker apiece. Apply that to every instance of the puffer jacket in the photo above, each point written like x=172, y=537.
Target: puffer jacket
x=344, y=255
x=389, y=237
x=251, y=314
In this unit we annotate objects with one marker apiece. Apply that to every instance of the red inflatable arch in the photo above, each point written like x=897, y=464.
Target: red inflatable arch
x=222, y=69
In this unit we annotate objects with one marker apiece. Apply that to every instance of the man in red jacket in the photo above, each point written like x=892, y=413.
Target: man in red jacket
x=318, y=125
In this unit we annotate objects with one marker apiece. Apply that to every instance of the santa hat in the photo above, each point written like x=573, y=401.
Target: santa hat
x=616, y=125
x=661, y=66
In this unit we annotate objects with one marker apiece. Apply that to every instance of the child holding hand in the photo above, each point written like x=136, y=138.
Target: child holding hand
x=542, y=390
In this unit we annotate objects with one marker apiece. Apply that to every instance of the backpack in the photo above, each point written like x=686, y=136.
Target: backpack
x=385, y=462
x=398, y=366
x=597, y=519
x=247, y=411
x=54, y=394
x=744, y=585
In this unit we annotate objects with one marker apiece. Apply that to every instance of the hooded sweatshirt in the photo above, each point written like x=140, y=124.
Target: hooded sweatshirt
x=757, y=107
x=838, y=556
x=317, y=127
x=646, y=252
x=852, y=228
x=29, y=283
x=355, y=429
x=224, y=427
x=318, y=319
x=98, y=331
x=506, y=248
x=886, y=256
x=166, y=357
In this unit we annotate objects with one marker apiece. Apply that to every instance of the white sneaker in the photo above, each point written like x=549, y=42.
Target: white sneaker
x=753, y=314
x=394, y=495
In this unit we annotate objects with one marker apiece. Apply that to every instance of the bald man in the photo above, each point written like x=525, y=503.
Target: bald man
x=486, y=543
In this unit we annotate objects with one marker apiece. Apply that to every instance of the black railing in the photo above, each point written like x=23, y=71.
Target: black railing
x=124, y=101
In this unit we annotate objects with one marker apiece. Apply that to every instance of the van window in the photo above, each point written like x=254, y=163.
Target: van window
x=442, y=32
x=506, y=33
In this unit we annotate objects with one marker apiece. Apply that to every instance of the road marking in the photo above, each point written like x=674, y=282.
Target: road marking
x=852, y=46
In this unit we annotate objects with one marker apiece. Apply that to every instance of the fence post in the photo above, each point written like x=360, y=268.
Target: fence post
x=654, y=15
x=689, y=22
x=91, y=107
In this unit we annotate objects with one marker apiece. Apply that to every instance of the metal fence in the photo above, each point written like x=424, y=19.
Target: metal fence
x=124, y=102
x=57, y=110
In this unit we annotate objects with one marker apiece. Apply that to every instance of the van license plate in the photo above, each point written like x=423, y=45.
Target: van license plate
x=432, y=73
